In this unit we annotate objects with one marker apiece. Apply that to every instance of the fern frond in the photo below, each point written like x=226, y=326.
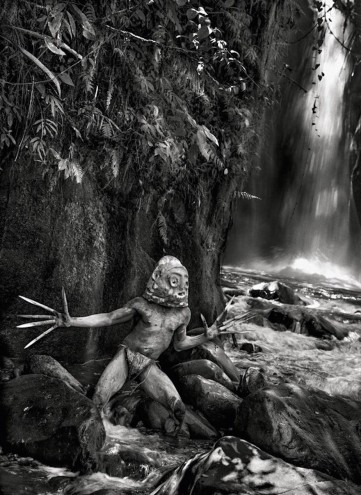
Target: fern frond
x=245, y=195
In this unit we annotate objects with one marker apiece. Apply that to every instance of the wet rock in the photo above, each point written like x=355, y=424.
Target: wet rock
x=319, y=326
x=198, y=426
x=157, y=417
x=214, y=352
x=276, y=291
x=47, y=365
x=203, y=367
x=217, y=403
x=122, y=409
x=128, y=460
x=235, y=466
x=233, y=292
x=43, y=418
x=308, y=428
x=252, y=380
x=283, y=317
x=249, y=347
x=325, y=345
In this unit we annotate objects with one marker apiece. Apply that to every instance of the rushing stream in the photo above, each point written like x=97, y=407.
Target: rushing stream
x=286, y=354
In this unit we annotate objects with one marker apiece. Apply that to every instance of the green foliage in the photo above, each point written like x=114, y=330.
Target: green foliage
x=168, y=83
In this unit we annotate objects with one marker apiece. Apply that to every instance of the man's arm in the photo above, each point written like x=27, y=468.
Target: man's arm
x=120, y=315
x=182, y=341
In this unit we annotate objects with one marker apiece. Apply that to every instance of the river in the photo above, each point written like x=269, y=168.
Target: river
x=286, y=356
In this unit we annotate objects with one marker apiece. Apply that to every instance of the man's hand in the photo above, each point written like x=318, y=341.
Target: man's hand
x=213, y=331
x=56, y=319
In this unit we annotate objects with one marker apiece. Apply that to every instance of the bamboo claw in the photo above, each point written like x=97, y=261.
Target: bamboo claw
x=40, y=336
x=65, y=302
x=35, y=303
x=33, y=317
x=35, y=324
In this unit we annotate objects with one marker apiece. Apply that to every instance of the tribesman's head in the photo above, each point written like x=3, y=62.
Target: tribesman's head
x=168, y=285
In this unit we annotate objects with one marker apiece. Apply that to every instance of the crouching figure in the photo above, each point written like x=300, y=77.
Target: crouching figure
x=161, y=316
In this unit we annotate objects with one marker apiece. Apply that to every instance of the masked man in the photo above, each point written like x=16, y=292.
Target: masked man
x=161, y=316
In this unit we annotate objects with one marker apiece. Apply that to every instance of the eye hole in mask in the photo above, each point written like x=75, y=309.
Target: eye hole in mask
x=174, y=281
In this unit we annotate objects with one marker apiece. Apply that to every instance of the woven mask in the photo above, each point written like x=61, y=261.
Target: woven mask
x=168, y=285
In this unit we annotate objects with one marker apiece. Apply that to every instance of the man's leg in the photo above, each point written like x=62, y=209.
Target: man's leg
x=159, y=387
x=112, y=379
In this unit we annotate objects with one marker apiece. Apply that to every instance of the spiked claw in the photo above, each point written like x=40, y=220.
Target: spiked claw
x=204, y=322
x=225, y=311
x=241, y=318
x=33, y=317
x=65, y=302
x=41, y=336
x=35, y=324
x=35, y=303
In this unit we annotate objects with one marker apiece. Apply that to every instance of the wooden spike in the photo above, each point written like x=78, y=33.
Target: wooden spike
x=35, y=303
x=65, y=302
x=33, y=317
x=36, y=324
x=41, y=336
x=204, y=322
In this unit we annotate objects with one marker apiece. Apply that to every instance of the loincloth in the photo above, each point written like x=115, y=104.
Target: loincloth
x=137, y=362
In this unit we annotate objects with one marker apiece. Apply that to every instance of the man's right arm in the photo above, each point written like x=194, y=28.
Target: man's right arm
x=120, y=315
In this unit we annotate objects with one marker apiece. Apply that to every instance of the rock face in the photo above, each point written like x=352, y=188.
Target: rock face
x=217, y=403
x=99, y=240
x=46, y=365
x=43, y=418
x=235, y=466
x=308, y=428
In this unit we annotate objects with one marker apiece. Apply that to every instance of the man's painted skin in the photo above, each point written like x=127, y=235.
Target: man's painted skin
x=160, y=316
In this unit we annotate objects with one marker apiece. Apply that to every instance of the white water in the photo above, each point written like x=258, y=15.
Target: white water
x=316, y=206
x=302, y=223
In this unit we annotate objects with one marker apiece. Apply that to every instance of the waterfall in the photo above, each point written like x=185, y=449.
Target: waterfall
x=303, y=217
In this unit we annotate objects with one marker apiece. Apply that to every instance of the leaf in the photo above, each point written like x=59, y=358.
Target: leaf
x=228, y=3
x=192, y=13
x=53, y=48
x=55, y=24
x=209, y=135
x=89, y=35
x=55, y=153
x=41, y=66
x=63, y=164
x=87, y=27
x=181, y=3
x=72, y=23
x=204, y=32
x=66, y=78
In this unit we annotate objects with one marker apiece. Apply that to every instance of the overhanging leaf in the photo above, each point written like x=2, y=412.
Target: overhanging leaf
x=66, y=78
x=192, y=13
x=53, y=48
x=41, y=66
x=204, y=32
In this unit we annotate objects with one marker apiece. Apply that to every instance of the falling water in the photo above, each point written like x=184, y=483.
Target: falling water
x=316, y=207
x=303, y=217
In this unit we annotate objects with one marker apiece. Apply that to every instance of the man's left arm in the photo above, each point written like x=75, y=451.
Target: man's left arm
x=182, y=341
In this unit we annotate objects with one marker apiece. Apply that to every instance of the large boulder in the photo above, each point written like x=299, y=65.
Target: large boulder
x=218, y=404
x=43, y=418
x=276, y=291
x=308, y=428
x=235, y=466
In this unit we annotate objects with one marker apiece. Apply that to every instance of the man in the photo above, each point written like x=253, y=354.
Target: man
x=160, y=316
